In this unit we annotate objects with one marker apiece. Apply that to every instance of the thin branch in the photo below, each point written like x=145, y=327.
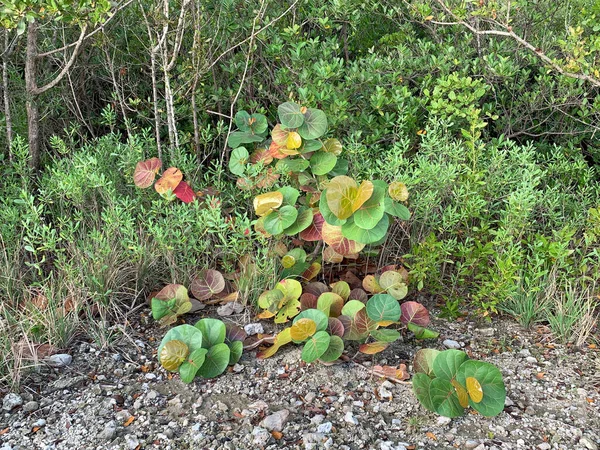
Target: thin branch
x=179, y=34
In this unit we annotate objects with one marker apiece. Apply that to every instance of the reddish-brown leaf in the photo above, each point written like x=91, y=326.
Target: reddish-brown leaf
x=145, y=172
x=184, y=192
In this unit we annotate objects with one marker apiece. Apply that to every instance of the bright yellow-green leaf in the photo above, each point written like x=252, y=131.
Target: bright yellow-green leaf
x=345, y=196
x=303, y=329
x=265, y=203
x=398, y=191
x=474, y=389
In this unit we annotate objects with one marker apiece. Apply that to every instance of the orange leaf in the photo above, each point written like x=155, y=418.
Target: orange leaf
x=6, y=430
x=170, y=180
x=35, y=429
x=539, y=375
x=276, y=434
x=431, y=436
x=129, y=421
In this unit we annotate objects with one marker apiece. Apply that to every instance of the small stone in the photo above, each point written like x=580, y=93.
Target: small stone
x=520, y=442
x=449, y=343
x=312, y=439
x=116, y=357
x=486, y=331
x=123, y=415
x=317, y=419
x=132, y=441
x=325, y=428
x=258, y=405
x=60, y=360
x=150, y=376
x=588, y=443
x=31, y=406
x=443, y=421
x=275, y=421
x=508, y=402
x=260, y=436
x=254, y=328
x=544, y=446
x=11, y=401
x=471, y=444
x=384, y=393
x=308, y=398
x=349, y=418
x=480, y=447
x=525, y=352
x=237, y=368
x=39, y=423
x=530, y=410
x=109, y=432
x=531, y=360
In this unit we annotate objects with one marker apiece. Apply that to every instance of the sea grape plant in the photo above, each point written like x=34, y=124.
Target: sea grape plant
x=205, y=349
x=170, y=185
x=448, y=382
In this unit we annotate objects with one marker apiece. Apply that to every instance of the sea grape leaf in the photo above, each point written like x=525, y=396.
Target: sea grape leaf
x=315, y=124
x=316, y=288
x=290, y=309
x=446, y=364
x=334, y=349
x=255, y=123
x=189, y=335
x=269, y=300
x=362, y=325
x=291, y=288
x=371, y=284
x=162, y=308
x=311, y=145
x=340, y=168
x=189, y=368
x=371, y=212
x=396, y=209
x=290, y=115
x=328, y=215
x=303, y=221
x=330, y=303
x=313, y=232
x=169, y=180
x=474, y=389
x=422, y=332
x=383, y=308
x=315, y=346
x=267, y=202
x=352, y=307
x=490, y=379
x=236, y=349
x=238, y=138
x=303, y=329
x=332, y=146
x=423, y=362
x=145, y=172
x=315, y=315
x=421, y=387
x=321, y=163
x=342, y=289
x=184, y=192
x=332, y=236
x=393, y=282
x=398, y=191
x=234, y=333
x=216, y=361
x=344, y=196
x=209, y=282
x=416, y=313
x=279, y=135
x=308, y=301
x=372, y=348
x=238, y=160
x=331, y=256
x=213, y=331
x=293, y=142
x=335, y=327
x=383, y=335
x=461, y=393
x=290, y=195
x=366, y=236
x=282, y=338
x=444, y=398
x=312, y=271
x=292, y=165
x=172, y=354
x=261, y=155
x=278, y=220
x=358, y=294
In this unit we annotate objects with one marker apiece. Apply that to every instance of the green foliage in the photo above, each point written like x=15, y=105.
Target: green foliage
x=448, y=382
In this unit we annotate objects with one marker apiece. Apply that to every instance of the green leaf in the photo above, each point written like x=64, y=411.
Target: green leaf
x=189, y=368
x=292, y=165
x=341, y=168
x=334, y=350
x=255, y=123
x=384, y=335
x=189, y=335
x=162, y=308
x=421, y=387
x=393, y=282
x=241, y=120
x=327, y=214
x=383, y=308
x=235, y=348
x=303, y=221
x=315, y=124
x=213, y=331
x=371, y=212
x=237, y=138
x=353, y=232
x=277, y=221
x=352, y=307
x=216, y=361
x=422, y=332
x=315, y=346
x=290, y=115
x=290, y=195
x=490, y=379
x=238, y=160
x=315, y=315
x=310, y=146
x=423, y=362
x=444, y=398
x=446, y=364
x=322, y=163
x=396, y=209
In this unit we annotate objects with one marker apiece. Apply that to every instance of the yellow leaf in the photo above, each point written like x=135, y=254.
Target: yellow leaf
x=344, y=196
x=303, y=329
x=265, y=203
x=463, y=397
x=398, y=191
x=474, y=389
x=293, y=141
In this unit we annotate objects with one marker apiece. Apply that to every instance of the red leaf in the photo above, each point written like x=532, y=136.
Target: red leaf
x=145, y=171
x=313, y=232
x=414, y=312
x=184, y=192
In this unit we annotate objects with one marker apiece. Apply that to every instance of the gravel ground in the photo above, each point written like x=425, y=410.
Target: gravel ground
x=122, y=399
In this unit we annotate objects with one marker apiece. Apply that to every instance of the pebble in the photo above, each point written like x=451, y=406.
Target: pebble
x=443, y=421
x=486, y=331
x=60, y=360
x=471, y=444
x=544, y=446
x=449, y=343
x=389, y=445
x=325, y=428
x=275, y=421
x=384, y=393
x=260, y=436
x=317, y=419
x=31, y=406
x=11, y=401
x=132, y=441
x=525, y=352
x=254, y=328
x=312, y=439
x=39, y=423
x=308, y=398
x=480, y=447
x=531, y=360
x=508, y=402
x=349, y=418
x=109, y=432
x=588, y=443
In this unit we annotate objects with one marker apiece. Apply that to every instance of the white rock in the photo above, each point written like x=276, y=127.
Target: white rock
x=349, y=418
x=471, y=444
x=449, y=343
x=11, y=401
x=109, y=432
x=275, y=421
x=325, y=428
x=443, y=421
x=254, y=328
x=60, y=360
x=544, y=446
x=508, y=402
x=261, y=436
x=531, y=360
x=317, y=419
x=132, y=441
x=588, y=443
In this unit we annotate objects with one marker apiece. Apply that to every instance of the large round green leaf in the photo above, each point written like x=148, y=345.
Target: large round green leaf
x=421, y=387
x=353, y=232
x=189, y=335
x=255, y=123
x=327, y=214
x=303, y=221
x=315, y=124
x=446, y=364
x=290, y=195
x=192, y=364
x=292, y=165
x=341, y=168
x=213, y=331
x=290, y=115
x=330, y=303
x=162, y=308
x=334, y=350
x=383, y=308
x=317, y=316
x=490, y=379
x=396, y=209
x=352, y=307
x=444, y=398
x=235, y=351
x=277, y=221
x=216, y=361
x=321, y=163
x=423, y=362
x=383, y=335
x=371, y=212
x=315, y=346
x=238, y=138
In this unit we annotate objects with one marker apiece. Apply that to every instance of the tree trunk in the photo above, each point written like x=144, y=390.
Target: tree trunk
x=9, y=131
x=33, y=115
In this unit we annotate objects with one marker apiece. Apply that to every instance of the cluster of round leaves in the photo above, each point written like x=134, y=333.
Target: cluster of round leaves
x=323, y=317
x=205, y=349
x=170, y=185
x=448, y=382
